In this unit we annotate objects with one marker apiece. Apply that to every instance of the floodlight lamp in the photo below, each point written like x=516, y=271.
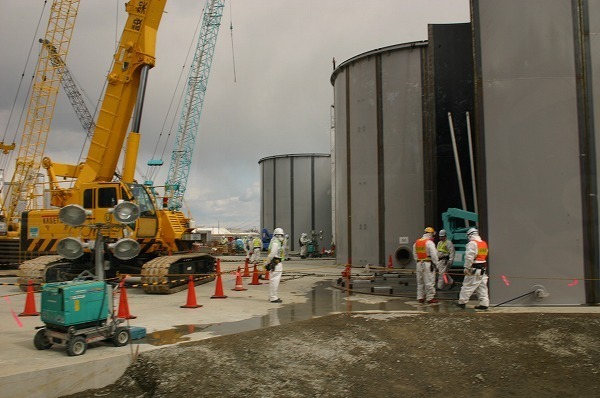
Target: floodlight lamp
x=125, y=249
x=70, y=248
x=126, y=212
x=73, y=215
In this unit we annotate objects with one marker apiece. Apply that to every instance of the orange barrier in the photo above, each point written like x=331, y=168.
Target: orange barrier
x=255, y=277
x=219, y=286
x=123, y=304
x=239, y=284
x=246, y=270
x=29, y=302
x=191, y=297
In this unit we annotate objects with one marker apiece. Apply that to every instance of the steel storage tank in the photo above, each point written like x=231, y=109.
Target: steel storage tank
x=296, y=196
x=538, y=108
x=378, y=146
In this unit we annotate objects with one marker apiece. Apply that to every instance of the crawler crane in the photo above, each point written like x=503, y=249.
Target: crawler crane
x=92, y=184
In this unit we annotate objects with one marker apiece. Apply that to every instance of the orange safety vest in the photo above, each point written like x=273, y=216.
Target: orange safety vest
x=421, y=249
x=482, y=252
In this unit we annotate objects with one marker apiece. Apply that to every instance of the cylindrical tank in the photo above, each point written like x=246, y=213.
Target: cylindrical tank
x=296, y=196
x=537, y=82
x=378, y=149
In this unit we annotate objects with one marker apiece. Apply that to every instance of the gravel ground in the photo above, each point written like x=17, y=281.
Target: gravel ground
x=465, y=353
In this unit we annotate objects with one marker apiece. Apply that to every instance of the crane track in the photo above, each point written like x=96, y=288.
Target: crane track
x=35, y=271
x=157, y=274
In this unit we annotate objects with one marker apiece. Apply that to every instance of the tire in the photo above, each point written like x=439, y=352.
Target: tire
x=76, y=346
x=121, y=337
x=40, y=341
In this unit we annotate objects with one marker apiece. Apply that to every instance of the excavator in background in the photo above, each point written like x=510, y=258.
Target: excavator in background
x=23, y=193
x=93, y=186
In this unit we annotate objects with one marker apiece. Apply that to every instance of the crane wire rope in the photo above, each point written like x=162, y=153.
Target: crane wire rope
x=232, y=49
x=7, y=159
x=151, y=173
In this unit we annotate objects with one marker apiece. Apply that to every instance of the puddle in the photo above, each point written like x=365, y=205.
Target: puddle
x=323, y=300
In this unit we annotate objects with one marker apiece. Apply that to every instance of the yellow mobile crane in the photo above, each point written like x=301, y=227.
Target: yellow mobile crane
x=21, y=193
x=158, y=231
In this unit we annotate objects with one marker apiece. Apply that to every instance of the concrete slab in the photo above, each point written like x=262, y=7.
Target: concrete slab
x=28, y=372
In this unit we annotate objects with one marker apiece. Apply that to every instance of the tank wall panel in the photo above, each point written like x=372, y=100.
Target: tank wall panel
x=322, y=196
x=302, y=208
x=267, y=194
x=341, y=221
x=363, y=162
x=534, y=212
x=403, y=151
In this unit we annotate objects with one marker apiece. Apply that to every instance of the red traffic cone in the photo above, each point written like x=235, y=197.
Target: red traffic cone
x=29, y=302
x=266, y=275
x=219, y=285
x=255, y=277
x=191, y=297
x=239, y=284
x=123, y=304
x=246, y=270
x=390, y=263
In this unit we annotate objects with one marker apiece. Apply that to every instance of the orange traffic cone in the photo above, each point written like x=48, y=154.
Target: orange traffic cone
x=255, y=277
x=191, y=297
x=390, y=263
x=219, y=285
x=246, y=270
x=266, y=277
x=239, y=284
x=123, y=304
x=29, y=302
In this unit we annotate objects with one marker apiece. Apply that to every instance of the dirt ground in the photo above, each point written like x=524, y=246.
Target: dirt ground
x=465, y=353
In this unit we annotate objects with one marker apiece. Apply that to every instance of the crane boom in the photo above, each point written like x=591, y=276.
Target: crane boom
x=46, y=82
x=181, y=157
x=83, y=114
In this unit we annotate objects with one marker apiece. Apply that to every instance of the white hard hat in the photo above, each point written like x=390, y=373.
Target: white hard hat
x=442, y=232
x=472, y=231
x=278, y=231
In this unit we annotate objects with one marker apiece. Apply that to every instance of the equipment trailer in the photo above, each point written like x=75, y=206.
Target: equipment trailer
x=79, y=313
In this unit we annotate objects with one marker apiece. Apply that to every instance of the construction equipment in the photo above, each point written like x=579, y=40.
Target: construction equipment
x=181, y=157
x=20, y=193
x=78, y=313
x=92, y=186
x=456, y=223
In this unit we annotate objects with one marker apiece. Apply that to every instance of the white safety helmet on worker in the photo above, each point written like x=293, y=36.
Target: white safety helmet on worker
x=472, y=231
x=442, y=233
x=278, y=233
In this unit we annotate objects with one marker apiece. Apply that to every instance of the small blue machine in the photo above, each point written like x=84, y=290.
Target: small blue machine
x=456, y=223
x=77, y=313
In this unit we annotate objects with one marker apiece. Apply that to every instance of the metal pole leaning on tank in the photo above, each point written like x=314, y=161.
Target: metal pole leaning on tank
x=472, y=164
x=457, y=163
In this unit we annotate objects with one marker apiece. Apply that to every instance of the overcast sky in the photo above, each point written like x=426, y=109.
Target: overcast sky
x=279, y=104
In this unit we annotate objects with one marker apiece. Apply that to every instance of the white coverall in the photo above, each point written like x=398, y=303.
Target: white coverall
x=275, y=251
x=303, y=245
x=475, y=279
x=425, y=273
x=446, y=252
x=256, y=248
x=248, y=247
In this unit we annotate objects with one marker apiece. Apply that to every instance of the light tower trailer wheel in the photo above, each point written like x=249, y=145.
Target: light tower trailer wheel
x=77, y=340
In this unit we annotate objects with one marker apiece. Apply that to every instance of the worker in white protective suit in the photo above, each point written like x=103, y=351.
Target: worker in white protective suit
x=446, y=252
x=425, y=254
x=256, y=248
x=274, y=263
x=248, y=247
x=304, y=241
x=476, y=273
